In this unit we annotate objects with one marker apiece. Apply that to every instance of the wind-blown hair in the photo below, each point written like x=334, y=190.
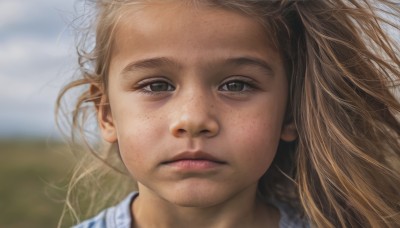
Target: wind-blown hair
x=343, y=70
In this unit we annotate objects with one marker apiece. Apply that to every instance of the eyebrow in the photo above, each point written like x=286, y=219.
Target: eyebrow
x=252, y=61
x=157, y=62
x=150, y=64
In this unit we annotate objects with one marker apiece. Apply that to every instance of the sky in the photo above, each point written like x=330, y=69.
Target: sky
x=36, y=59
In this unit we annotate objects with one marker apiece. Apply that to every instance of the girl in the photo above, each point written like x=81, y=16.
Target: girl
x=243, y=113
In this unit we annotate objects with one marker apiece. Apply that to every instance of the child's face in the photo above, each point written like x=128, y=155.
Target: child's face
x=197, y=99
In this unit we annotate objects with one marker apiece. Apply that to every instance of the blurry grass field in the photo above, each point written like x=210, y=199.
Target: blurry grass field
x=28, y=171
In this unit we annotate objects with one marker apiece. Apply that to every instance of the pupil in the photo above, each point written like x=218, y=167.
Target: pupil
x=159, y=86
x=235, y=86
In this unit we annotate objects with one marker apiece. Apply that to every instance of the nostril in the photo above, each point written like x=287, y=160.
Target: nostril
x=184, y=128
x=181, y=131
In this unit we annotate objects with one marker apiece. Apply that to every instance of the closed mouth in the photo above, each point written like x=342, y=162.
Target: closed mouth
x=194, y=156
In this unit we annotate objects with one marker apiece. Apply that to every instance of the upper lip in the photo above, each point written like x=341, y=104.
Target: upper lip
x=193, y=155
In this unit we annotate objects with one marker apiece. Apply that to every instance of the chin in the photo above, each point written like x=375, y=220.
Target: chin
x=194, y=201
x=197, y=196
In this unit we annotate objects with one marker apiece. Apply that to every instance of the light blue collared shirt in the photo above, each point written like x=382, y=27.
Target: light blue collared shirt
x=119, y=216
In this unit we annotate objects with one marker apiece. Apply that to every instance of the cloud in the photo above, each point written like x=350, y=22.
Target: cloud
x=36, y=58
x=39, y=17
x=11, y=12
x=26, y=53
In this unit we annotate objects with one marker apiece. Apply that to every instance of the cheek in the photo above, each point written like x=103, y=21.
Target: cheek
x=136, y=133
x=254, y=141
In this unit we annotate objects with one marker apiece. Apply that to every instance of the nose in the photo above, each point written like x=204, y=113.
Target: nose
x=194, y=118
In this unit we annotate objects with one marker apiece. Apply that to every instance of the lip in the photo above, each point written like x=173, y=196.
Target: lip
x=193, y=156
x=197, y=160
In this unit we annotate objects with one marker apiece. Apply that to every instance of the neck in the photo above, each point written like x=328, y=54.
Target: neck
x=242, y=210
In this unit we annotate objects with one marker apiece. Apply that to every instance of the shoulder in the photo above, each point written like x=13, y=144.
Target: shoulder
x=119, y=216
x=289, y=216
x=113, y=217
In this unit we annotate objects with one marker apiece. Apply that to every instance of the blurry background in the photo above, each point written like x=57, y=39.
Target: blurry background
x=36, y=59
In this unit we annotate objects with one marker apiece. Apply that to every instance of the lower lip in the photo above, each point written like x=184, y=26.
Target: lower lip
x=195, y=164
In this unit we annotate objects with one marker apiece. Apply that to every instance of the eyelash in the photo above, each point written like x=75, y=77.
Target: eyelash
x=248, y=85
x=145, y=86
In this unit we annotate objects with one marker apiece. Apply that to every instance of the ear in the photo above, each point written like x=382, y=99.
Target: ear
x=289, y=132
x=104, y=117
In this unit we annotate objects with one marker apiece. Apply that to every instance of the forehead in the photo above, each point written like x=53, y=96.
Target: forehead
x=189, y=31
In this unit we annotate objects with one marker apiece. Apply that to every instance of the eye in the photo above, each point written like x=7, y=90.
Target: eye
x=155, y=86
x=235, y=86
x=159, y=87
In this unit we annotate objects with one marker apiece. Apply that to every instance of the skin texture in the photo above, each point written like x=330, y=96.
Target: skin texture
x=213, y=86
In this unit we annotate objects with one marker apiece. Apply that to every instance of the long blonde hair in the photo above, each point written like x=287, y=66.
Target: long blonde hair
x=343, y=69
